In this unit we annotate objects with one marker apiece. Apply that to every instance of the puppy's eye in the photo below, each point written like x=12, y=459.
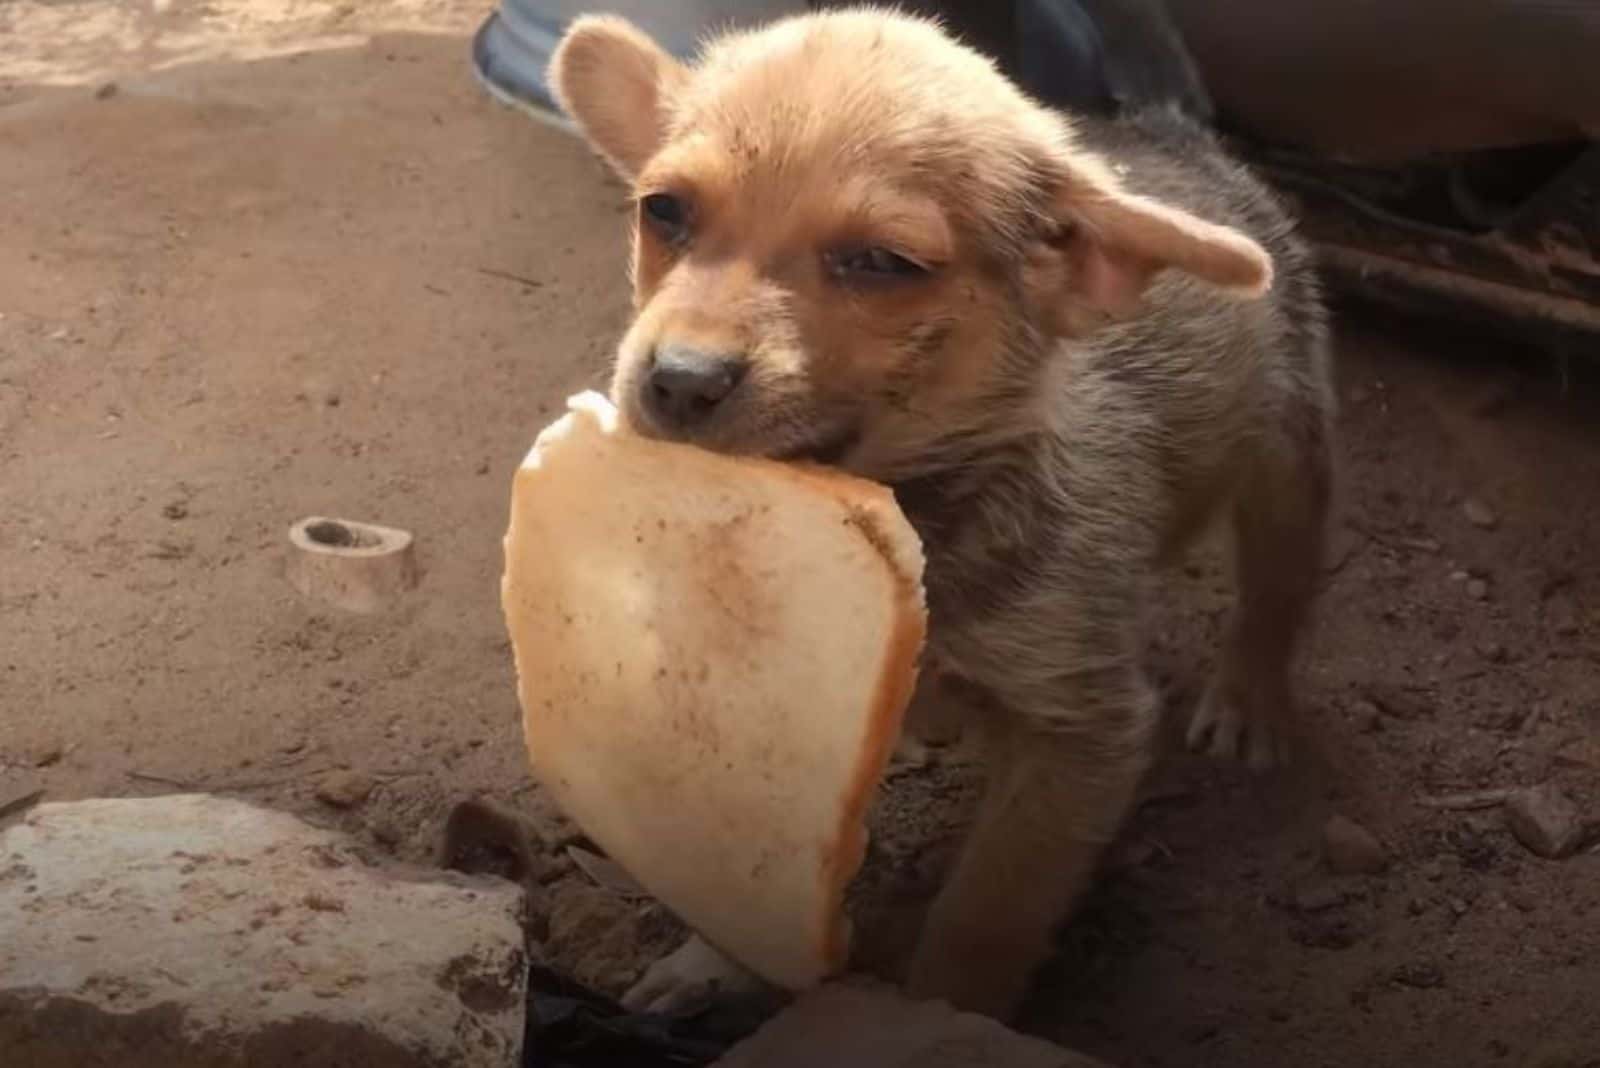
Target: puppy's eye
x=667, y=214
x=873, y=264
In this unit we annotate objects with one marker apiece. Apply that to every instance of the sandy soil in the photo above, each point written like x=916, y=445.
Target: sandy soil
x=240, y=284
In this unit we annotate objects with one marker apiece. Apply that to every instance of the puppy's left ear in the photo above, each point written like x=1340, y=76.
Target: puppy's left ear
x=614, y=82
x=1115, y=243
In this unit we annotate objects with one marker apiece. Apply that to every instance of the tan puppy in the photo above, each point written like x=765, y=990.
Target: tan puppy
x=1061, y=342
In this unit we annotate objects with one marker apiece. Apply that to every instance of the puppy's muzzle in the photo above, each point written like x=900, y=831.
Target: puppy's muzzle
x=685, y=386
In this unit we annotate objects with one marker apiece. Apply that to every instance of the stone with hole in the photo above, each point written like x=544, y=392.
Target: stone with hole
x=358, y=567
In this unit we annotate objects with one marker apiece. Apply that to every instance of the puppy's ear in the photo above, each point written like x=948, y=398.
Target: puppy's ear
x=1115, y=242
x=613, y=80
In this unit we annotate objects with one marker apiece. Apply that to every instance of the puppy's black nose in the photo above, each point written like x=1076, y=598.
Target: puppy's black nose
x=685, y=385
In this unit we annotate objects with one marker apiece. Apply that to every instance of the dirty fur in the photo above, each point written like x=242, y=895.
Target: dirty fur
x=1069, y=345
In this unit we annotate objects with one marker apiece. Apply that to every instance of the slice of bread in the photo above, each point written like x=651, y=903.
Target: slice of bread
x=713, y=658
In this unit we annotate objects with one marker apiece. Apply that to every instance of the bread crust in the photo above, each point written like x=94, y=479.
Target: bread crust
x=869, y=513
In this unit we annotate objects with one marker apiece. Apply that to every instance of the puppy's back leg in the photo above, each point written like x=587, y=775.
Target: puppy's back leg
x=1279, y=527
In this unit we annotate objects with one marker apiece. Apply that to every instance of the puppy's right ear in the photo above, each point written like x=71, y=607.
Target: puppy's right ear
x=613, y=80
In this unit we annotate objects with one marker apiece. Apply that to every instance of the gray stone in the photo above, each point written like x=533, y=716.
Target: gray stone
x=857, y=1025
x=197, y=932
x=1545, y=821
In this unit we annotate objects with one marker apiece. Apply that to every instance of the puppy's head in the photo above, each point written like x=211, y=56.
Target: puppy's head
x=854, y=239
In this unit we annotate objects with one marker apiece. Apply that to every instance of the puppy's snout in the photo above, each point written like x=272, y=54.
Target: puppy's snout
x=685, y=385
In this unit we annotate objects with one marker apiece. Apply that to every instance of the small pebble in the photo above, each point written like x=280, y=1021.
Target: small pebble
x=1477, y=589
x=1493, y=652
x=1479, y=514
x=1351, y=849
x=1368, y=717
x=1545, y=821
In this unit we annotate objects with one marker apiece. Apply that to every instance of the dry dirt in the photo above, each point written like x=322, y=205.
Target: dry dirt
x=259, y=283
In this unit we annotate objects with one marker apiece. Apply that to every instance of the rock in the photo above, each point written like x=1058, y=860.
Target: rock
x=1421, y=975
x=1479, y=514
x=1521, y=900
x=18, y=797
x=1318, y=897
x=1351, y=849
x=195, y=931
x=1325, y=930
x=1398, y=702
x=1368, y=717
x=1477, y=589
x=856, y=1025
x=1493, y=652
x=344, y=788
x=1545, y=821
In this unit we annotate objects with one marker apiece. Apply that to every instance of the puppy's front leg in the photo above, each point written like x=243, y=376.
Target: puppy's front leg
x=1061, y=780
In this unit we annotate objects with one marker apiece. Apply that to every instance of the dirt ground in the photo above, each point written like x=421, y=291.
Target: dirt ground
x=241, y=283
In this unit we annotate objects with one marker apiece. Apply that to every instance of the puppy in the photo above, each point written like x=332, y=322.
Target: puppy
x=1066, y=345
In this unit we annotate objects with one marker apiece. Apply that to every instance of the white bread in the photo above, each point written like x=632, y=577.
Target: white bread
x=713, y=658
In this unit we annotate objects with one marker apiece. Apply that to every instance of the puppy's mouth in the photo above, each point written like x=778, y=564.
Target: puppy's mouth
x=829, y=450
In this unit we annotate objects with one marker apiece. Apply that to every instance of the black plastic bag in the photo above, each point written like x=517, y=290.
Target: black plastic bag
x=571, y=1027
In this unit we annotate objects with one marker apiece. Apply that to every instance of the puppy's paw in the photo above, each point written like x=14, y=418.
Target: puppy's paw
x=1244, y=724
x=690, y=979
